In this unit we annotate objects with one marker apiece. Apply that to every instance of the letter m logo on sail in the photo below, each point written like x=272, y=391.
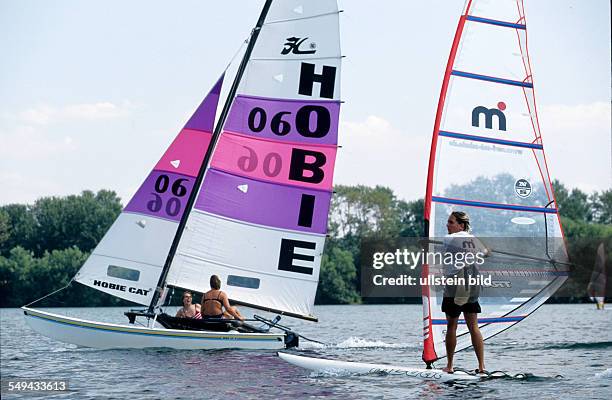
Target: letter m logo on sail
x=488, y=113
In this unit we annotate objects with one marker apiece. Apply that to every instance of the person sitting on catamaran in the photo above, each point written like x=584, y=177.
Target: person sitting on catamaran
x=459, y=298
x=189, y=310
x=215, y=300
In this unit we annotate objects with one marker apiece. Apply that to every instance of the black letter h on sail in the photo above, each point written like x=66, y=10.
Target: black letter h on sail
x=327, y=79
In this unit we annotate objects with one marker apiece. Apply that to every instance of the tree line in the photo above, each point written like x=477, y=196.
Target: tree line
x=43, y=245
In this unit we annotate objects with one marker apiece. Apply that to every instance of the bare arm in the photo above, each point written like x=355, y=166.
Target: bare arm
x=229, y=308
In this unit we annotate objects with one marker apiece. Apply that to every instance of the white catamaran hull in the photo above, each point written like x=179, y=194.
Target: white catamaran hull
x=319, y=364
x=112, y=336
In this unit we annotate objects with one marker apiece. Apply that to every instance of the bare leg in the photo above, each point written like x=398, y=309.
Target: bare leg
x=471, y=319
x=234, y=313
x=451, y=341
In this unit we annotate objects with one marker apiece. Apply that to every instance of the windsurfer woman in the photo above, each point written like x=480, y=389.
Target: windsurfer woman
x=454, y=302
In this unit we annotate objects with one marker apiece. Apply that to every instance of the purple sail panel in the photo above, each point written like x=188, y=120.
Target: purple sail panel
x=203, y=119
x=313, y=122
x=163, y=194
x=264, y=203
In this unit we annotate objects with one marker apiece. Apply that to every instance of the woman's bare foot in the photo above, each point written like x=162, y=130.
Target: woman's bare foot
x=448, y=370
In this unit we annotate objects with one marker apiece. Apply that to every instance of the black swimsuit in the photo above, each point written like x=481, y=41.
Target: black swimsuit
x=213, y=316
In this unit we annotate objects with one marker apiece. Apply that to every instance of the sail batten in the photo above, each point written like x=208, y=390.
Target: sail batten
x=496, y=22
x=491, y=79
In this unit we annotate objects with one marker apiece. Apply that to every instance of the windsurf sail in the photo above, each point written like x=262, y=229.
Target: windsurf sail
x=487, y=159
x=597, y=284
x=244, y=190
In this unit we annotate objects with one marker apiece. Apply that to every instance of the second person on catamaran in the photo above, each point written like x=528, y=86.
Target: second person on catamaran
x=462, y=299
x=215, y=300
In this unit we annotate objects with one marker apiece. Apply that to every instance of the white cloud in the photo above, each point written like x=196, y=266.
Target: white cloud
x=374, y=152
x=577, y=143
x=27, y=143
x=45, y=114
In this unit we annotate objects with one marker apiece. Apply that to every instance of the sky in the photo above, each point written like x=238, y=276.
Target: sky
x=93, y=92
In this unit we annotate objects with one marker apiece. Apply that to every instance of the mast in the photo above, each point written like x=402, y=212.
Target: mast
x=208, y=156
x=428, y=346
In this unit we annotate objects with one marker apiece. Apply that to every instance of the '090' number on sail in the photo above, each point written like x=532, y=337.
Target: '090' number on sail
x=258, y=120
x=173, y=204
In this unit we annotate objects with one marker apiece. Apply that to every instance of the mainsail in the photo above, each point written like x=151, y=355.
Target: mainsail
x=487, y=159
x=258, y=219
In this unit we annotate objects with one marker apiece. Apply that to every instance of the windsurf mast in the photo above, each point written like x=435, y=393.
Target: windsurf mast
x=207, y=157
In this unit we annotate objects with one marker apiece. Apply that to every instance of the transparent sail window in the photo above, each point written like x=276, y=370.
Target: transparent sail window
x=243, y=281
x=129, y=274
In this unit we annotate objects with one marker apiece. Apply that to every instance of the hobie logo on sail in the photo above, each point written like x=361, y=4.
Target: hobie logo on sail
x=121, y=288
x=293, y=46
x=489, y=113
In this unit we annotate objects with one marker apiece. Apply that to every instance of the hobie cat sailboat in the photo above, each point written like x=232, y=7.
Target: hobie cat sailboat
x=243, y=192
x=487, y=159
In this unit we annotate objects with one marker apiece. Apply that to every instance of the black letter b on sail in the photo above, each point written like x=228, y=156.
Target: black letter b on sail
x=299, y=166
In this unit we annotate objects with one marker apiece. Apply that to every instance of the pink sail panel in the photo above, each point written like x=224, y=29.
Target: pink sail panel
x=181, y=162
x=285, y=163
x=278, y=206
x=302, y=121
x=163, y=195
x=186, y=153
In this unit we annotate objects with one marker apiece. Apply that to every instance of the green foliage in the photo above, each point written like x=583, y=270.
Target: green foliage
x=79, y=221
x=4, y=228
x=411, y=215
x=337, y=278
x=42, y=246
x=21, y=228
x=574, y=204
x=602, y=207
x=363, y=211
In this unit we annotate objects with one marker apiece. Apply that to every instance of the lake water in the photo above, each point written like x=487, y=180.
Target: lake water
x=574, y=341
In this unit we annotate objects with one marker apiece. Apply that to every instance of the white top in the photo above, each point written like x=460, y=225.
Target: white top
x=462, y=242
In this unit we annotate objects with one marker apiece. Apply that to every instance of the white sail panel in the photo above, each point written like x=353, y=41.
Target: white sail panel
x=460, y=174
x=299, y=9
x=272, y=78
x=315, y=37
x=131, y=255
x=487, y=109
x=503, y=51
x=500, y=10
x=278, y=269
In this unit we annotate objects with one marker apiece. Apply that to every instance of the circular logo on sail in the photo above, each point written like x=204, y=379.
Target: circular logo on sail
x=522, y=188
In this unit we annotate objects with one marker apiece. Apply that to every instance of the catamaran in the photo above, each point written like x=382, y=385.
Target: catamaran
x=487, y=159
x=242, y=192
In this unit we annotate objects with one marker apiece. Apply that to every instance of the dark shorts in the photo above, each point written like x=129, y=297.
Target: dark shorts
x=449, y=307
